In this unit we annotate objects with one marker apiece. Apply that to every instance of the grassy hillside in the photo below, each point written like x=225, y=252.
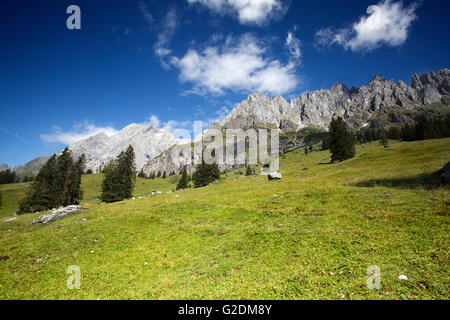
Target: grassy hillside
x=311, y=235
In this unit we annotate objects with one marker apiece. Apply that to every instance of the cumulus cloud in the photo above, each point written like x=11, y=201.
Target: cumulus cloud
x=238, y=65
x=256, y=12
x=79, y=132
x=293, y=45
x=386, y=23
x=161, y=47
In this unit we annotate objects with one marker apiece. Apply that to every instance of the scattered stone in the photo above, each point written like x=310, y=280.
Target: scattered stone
x=169, y=192
x=158, y=192
x=331, y=273
x=84, y=219
x=61, y=212
x=403, y=277
x=145, y=263
x=92, y=251
x=176, y=196
x=10, y=219
x=274, y=176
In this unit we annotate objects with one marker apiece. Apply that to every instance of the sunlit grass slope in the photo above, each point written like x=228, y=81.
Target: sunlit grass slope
x=312, y=234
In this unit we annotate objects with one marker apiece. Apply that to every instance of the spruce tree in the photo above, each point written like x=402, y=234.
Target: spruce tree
x=183, y=183
x=64, y=171
x=120, y=177
x=342, y=142
x=164, y=175
x=109, y=183
x=248, y=171
x=75, y=191
x=383, y=138
x=44, y=193
x=205, y=174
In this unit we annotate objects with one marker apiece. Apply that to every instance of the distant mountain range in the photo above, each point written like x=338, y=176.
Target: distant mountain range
x=380, y=102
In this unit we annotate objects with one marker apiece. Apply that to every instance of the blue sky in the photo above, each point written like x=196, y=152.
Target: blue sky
x=172, y=62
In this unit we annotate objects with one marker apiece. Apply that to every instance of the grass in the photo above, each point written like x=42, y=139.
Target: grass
x=311, y=235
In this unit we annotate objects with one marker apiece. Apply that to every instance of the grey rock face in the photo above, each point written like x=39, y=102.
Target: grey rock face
x=59, y=213
x=356, y=105
x=147, y=142
x=32, y=167
x=4, y=167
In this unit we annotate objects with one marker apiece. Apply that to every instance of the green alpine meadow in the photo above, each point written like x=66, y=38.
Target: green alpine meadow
x=311, y=235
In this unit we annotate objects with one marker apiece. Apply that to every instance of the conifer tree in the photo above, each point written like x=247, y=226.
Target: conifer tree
x=164, y=175
x=75, y=191
x=205, y=174
x=120, y=177
x=342, y=142
x=64, y=170
x=109, y=183
x=44, y=192
x=248, y=171
x=383, y=138
x=183, y=183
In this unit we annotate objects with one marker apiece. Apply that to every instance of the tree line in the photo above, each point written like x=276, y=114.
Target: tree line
x=58, y=183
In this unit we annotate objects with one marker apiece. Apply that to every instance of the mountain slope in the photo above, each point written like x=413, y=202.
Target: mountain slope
x=146, y=140
x=356, y=105
x=311, y=235
x=380, y=102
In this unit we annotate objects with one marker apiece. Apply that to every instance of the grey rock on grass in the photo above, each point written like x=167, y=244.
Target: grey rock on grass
x=59, y=213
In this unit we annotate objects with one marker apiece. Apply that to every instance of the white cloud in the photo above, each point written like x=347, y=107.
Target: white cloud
x=161, y=47
x=145, y=13
x=238, y=65
x=257, y=12
x=293, y=44
x=79, y=132
x=386, y=23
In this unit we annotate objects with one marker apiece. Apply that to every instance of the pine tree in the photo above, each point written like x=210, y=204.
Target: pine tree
x=120, y=177
x=75, y=191
x=109, y=183
x=342, y=142
x=325, y=143
x=164, y=175
x=248, y=171
x=44, y=193
x=383, y=138
x=306, y=150
x=183, y=183
x=159, y=174
x=64, y=170
x=205, y=174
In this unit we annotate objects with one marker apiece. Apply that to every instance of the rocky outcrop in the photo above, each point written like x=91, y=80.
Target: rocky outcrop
x=147, y=141
x=32, y=167
x=355, y=105
x=274, y=176
x=59, y=213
